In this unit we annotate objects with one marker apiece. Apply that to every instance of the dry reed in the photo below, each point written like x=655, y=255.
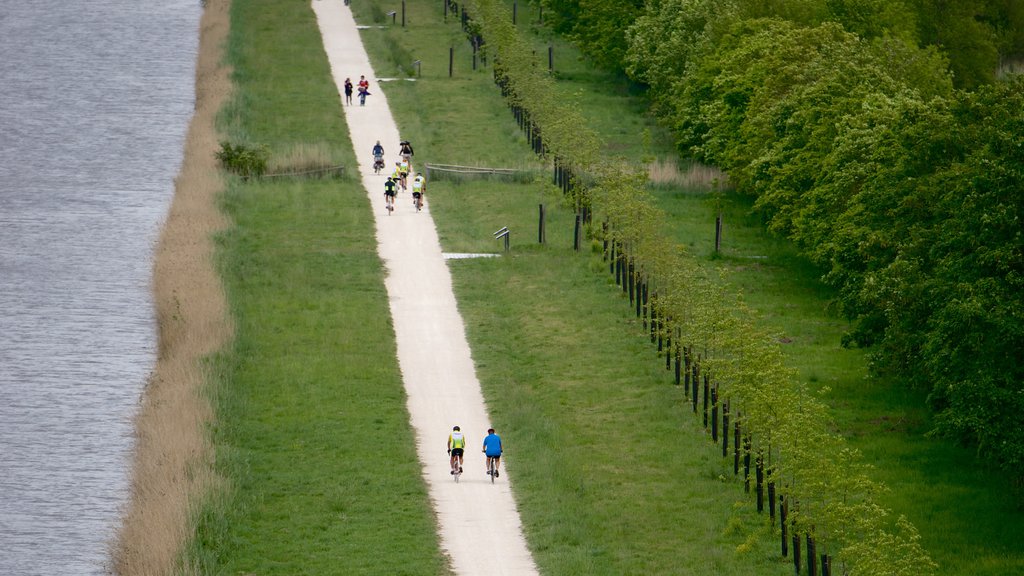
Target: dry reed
x=172, y=467
x=666, y=172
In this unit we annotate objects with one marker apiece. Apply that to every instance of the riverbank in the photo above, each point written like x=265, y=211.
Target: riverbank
x=172, y=466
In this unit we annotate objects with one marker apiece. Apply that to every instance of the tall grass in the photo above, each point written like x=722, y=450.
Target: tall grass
x=172, y=471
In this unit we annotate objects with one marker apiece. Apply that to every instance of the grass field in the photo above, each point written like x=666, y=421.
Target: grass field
x=613, y=476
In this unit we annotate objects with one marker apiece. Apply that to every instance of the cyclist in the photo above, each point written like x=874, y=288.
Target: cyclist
x=378, y=157
x=492, y=449
x=398, y=176
x=403, y=169
x=405, y=149
x=456, y=447
x=390, y=189
x=419, y=189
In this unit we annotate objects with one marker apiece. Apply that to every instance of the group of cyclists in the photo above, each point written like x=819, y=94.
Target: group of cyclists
x=400, y=176
x=491, y=449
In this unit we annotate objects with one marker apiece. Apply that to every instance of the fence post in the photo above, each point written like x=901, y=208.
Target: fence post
x=678, y=353
x=707, y=398
x=541, y=233
x=796, y=552
x=551, y=57
x=403, y=13
x=576, y=238
x=725, y=429
x=784, y=525
x=736, y=445
x=696, y=381
x=714, y=413
x=718, y=233
x=451, y=60
x=759, y=471
x=812, y=557
x=746, y=462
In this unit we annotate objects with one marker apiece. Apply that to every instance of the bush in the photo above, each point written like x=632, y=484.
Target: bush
x=244, y=160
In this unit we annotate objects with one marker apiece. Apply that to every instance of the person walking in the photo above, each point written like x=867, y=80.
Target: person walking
x=348, y=91
x=492, y=449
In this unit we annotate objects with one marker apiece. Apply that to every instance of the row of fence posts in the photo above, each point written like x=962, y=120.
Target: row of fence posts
x=702, y=393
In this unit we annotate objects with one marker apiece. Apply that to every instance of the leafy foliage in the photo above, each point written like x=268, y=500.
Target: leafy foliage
x=246, y=161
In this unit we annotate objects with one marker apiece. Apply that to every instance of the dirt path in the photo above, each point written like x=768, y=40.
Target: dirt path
x=479, y=524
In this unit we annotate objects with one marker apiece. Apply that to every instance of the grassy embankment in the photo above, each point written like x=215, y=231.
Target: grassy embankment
x=311, y=434
x=571, y=380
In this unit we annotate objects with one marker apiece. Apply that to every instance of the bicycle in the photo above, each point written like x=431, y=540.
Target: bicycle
x=492, y=467
x=456, y=465
x=378, y=164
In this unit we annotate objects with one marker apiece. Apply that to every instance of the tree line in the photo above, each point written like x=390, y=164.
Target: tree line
x=878, y=136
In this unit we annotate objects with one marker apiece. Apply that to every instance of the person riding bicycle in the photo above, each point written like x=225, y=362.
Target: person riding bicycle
x=405, y=150
x=378, y=157
x=390, y=188
x=456, y=447
x=492, y=449
x=403, y=169
x=419, y=188
x=399, y=176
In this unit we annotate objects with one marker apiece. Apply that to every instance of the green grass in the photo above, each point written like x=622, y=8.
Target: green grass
x=543, y=346
x=613, y=475
x=312, y=435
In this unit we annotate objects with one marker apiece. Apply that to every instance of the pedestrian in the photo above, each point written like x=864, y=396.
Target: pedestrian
x=363, y=93
x=348, y=91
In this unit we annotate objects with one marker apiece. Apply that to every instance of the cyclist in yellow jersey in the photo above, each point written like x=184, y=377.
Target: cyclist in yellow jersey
x=456, y=447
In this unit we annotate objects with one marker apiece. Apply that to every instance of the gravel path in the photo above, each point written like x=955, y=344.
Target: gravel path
x=479, y=525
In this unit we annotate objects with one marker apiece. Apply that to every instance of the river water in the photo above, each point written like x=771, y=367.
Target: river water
x=95, y=98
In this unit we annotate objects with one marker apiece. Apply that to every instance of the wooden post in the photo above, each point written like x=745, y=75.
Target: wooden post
x=403, y=13
x=686, y=371
x=759, y=471
x=696, y=379
x=707, y=398
x=718, y=233
x=771, y=500
x=747, y=462
x=451, y=60
x=678, y=355
x=639, y=295
x=551, y=57
x=784, y=525
x=541, y=235
x=826, y=565
x=736, y=445
x=632, y=270
x=668, y=344
x=725, y=429
x=576, y=235
x=645, y=307
x=796, y=553
x=714, y=413
x=515, y=9
x=812, y=557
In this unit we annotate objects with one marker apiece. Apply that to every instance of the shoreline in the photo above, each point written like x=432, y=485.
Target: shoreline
x=171, y=467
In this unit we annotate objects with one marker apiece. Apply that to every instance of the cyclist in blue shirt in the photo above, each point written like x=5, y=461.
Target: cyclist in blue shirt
x=492, y=449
